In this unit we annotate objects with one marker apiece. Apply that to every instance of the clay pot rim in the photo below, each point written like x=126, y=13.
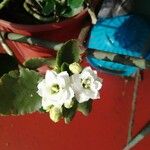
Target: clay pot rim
x=43, y=27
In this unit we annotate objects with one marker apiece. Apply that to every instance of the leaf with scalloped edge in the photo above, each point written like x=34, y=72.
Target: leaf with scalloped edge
x=69, y=53
x=18, y=92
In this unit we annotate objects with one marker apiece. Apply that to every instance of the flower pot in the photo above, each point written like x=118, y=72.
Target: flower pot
x=59, y=32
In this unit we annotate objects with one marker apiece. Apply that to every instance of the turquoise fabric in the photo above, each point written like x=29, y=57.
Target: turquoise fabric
x=127, y=35
x=112, y=68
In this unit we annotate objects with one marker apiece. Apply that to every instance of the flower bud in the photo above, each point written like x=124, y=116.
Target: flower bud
x=75, y=68
x=55, y=114
x=69, y=104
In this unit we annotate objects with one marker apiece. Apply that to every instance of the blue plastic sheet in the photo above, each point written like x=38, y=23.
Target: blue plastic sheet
x=126, y=35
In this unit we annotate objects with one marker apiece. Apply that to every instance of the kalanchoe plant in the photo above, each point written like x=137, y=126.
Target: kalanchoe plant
x=50, y=10
x=61, y=91
x=43, y=10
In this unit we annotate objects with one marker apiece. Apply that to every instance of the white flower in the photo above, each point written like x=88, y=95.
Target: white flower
x=86, y=85
x=55, y=89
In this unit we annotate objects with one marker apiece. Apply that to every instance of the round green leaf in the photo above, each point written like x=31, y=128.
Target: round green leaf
x=18, y=92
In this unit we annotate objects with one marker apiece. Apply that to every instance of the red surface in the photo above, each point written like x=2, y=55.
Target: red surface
x=142, y=116
x=106, y=127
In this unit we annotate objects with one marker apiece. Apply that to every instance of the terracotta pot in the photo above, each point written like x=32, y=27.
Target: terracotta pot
x=59, y=32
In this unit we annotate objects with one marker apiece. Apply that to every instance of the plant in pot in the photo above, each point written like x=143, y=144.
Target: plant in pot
x=44, y=80
x=55, y=21
x=64, y=88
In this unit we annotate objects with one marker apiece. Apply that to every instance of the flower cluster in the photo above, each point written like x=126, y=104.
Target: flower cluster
x=56, y=85
x=60, y=90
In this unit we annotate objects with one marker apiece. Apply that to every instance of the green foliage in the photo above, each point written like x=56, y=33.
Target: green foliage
x=46, y=10
x=85, y=107
x=35, y=63
x=68, y=114
x=72, y=12
x=75, y=3
x=65, y=67
x=38, y=11
x=69, y=53
x=48, y=7
x=18, y=92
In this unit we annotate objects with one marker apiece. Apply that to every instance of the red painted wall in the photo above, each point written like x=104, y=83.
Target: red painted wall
x=106, y=127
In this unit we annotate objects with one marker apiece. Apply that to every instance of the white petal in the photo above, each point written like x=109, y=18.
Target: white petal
x=70, y=93
x=76, y=82
x=96, y=85
x=82, y=98
x=46, y=104
x=40, y=87
x=65, y=76
x=92, y=73
x=50, y=76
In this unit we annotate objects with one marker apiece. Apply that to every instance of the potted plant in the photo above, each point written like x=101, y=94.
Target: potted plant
x=51, y=20
x=64, y=88
x=29, y=34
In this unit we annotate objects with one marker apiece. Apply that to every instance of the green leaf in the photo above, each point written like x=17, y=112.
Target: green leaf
x=75, y=3
x=85, y=107
x=61, y=7
x=70, y=12
x=69, y=53
x=7, y=63
x=35, y=63
x=48, y=7
x=18, y=92
x=65, y=67
x=68, y=114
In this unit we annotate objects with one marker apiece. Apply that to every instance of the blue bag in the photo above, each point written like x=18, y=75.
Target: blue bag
x=127, y=35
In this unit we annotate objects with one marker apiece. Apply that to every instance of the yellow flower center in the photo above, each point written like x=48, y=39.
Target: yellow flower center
x=54, y=89
x=86, y=83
